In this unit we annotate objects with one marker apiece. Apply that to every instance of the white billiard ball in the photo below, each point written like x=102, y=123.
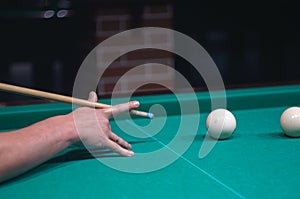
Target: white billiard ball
x=220, y=124
x=290, y=122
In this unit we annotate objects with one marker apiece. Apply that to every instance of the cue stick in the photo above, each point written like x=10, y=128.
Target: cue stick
x=63, y=98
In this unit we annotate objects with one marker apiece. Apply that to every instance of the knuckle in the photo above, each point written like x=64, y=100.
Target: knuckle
x=105, y=128
x=115, y=148
x=105, y=122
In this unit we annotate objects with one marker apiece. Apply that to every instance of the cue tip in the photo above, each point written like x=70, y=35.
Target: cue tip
x=150, y=115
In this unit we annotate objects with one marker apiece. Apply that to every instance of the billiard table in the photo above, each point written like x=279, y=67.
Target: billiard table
x=258, y=161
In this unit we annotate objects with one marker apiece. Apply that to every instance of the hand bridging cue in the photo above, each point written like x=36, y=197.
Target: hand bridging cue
x=94, y=129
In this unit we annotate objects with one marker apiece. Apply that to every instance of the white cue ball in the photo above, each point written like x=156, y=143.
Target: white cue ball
x=220, y=124
x=290, y=122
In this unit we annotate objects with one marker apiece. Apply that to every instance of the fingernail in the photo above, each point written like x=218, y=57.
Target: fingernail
x=131, y=153
x=136, y=103
x=92, y=95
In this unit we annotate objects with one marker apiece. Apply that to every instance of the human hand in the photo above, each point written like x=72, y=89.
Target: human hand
x=94, y=129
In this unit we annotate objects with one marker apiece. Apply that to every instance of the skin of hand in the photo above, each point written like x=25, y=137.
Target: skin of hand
x=25, y=148
x=94, y=129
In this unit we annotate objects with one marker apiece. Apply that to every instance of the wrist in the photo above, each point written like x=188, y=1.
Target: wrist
x=67, y=128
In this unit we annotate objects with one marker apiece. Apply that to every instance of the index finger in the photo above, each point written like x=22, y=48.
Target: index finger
x=120, y=108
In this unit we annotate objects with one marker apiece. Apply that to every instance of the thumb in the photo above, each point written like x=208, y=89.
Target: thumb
x=93, y=97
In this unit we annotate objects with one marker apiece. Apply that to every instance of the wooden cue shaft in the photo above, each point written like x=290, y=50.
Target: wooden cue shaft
x=60, y=98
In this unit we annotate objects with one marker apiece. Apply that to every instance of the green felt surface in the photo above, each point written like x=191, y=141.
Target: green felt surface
x=257, y=162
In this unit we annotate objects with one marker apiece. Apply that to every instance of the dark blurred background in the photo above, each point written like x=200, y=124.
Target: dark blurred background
x=252, y=42
x=43, y=42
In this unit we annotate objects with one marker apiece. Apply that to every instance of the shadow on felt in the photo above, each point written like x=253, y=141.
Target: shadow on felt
x=73, y=153
x=276, y=135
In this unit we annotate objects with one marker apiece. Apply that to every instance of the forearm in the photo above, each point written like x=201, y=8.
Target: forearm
x=24, y=149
